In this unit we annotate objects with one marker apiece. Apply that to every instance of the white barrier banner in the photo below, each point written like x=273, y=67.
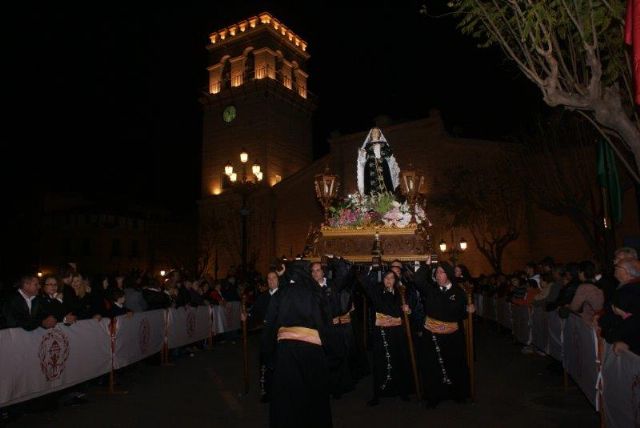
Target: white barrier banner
x=540, y=329
x=187, y=325
x=521, y=329
x=579, y=356
x=138, y=336
x=504, y=315
x=226, y=317
x=556, y=331
x=34, y=363
x=621, y=389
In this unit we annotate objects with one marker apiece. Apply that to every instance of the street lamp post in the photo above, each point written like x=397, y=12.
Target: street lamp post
x=455, y=250
x=244, y=186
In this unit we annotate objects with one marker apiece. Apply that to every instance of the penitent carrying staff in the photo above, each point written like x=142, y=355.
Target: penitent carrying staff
x=443, y=349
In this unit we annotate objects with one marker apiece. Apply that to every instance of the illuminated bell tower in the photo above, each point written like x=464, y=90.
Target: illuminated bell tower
x=257, y=99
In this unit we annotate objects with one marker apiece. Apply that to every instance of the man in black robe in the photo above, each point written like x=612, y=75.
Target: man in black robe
x=296, y=326
x=443, y=349
x=341, y=342
x=258, y=313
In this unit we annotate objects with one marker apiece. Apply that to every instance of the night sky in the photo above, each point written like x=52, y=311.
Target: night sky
x=106, y=102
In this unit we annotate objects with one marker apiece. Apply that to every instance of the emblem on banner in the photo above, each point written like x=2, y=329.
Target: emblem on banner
x=191, y=323
x=144, y=335
x=53, y=353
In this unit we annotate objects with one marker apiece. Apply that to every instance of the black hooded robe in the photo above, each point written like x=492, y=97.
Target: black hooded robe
x=300, y=391
x=442, y=357
x=391, y=370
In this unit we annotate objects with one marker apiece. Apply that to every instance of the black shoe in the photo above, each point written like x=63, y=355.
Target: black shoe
x=373, y=402
x=264, y=399
x=405, y=397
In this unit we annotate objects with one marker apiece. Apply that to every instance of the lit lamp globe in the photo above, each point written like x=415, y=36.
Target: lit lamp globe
x=443, y=246
x=228, y=169
x=327, y=185
x=412, y=182
x=244, y=156
x=463, y=244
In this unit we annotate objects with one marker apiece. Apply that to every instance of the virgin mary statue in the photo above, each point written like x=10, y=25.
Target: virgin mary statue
x=378, y=171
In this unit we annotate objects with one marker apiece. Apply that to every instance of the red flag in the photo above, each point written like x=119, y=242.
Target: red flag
x=632, y=37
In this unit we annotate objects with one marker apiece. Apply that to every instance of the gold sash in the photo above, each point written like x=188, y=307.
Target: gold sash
x=440, y=327
x=383, y=320
x=342, y=319
x=302, y=334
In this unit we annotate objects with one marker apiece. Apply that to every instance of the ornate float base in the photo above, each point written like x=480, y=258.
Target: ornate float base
x=405, y=244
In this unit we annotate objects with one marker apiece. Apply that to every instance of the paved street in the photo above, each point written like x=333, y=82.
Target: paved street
x=514, y=390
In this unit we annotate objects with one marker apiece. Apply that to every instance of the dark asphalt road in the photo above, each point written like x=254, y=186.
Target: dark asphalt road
x=513, y=390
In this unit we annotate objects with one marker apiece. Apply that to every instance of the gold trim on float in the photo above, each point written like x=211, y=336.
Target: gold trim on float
x=367, y=258
x=330, y=232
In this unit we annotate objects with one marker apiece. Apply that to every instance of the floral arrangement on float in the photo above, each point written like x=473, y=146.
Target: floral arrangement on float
x=358, y=211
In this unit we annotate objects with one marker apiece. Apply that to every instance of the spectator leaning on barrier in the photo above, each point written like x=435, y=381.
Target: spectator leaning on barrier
x=23, y=309
x=588, y=299
x=52, y=302
x=619, y=325
x=116, y=299
x=626, y=305
x=155, y=297
x=134, y=301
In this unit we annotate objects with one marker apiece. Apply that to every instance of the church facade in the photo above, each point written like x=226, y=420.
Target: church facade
x=258, y=102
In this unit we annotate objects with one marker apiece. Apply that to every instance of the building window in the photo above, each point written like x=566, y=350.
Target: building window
x=116, y=251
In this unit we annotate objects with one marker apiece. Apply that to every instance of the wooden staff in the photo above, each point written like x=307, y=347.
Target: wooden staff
x=365, y=315
x=410, y=341
x=244, y=344
x=469, y=338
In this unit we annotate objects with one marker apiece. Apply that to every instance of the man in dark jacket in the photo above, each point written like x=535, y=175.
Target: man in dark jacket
x=23, y=309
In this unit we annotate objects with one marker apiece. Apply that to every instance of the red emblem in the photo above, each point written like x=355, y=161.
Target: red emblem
x=191, y=323
x=53, y=353
x=144, y=335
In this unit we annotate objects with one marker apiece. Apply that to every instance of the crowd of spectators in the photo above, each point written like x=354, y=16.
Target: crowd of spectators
x=608, y=301
x=68, y=295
